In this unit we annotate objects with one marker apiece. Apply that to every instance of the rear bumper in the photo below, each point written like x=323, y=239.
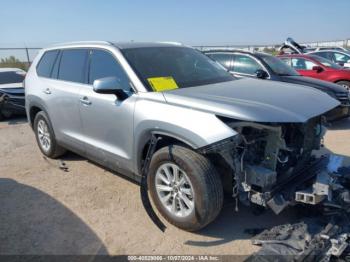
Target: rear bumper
x=15, y=103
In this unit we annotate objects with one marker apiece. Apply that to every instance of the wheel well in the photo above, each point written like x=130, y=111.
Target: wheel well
x=165, y=141
x=32, y=113
x=216, y=159
x=342, y=80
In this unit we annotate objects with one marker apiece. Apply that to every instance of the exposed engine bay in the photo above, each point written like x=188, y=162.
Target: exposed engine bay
x=273, y=164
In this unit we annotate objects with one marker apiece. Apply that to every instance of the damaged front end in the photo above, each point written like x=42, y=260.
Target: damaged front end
x=273, y=165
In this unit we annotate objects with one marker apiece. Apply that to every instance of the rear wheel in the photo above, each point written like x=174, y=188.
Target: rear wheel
x=45, y=136
x=185, y=187
x=345, y=84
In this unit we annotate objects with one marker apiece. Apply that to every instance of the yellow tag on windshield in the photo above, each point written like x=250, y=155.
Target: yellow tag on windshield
x=160, y=84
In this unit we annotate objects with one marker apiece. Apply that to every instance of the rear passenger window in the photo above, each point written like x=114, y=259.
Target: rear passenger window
x=103, y=64
x=73, y=65
x=45, y=65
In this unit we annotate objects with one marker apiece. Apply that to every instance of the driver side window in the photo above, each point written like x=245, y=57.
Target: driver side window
x=245, y=65
x=103, y=64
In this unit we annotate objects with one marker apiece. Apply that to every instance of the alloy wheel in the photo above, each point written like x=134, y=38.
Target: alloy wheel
x=44, y=135
x=174, y=189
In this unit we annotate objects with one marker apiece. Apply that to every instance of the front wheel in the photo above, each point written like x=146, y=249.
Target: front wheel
x=345, y=84
x=185, y=187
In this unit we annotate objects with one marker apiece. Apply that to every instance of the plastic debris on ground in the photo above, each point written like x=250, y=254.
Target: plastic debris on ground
x=325, y=236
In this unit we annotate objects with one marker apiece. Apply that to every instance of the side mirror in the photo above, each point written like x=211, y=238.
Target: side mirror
x=340, y=63
x=261, y=74
x=318, y=69
x=109, y=85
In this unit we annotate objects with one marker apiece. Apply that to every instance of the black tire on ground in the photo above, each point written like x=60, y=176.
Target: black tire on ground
x=206, y=182
x=344, y=83
x=54, y=150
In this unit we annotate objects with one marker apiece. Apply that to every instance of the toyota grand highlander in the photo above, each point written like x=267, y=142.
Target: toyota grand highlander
x=106, y=101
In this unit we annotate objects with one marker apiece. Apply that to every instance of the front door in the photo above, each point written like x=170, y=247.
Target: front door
x=107, y=121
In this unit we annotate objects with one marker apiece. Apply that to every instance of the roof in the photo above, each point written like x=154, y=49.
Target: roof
x=227, y=51
x=332, y=51
x=128, y=45
x=296, y=55
x=234, y=51
x=120, y=45
x=79, y=43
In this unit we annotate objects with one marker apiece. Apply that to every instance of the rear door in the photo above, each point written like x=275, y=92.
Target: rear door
x=107, y=121
x=62, y=96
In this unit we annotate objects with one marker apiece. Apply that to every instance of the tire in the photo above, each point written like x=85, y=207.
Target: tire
x=205, y=182
x=345, y=84
x=53, y=150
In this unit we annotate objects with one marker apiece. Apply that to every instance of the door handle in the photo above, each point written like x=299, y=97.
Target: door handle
x=85, y=100
x=47, y=91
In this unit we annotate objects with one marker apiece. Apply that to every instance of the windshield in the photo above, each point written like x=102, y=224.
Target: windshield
x=11, y=77
x=185, y=67
x=278, y=66
x=326, y=62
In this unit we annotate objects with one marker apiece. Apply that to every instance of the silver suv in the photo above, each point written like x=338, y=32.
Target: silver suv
x=106, y=101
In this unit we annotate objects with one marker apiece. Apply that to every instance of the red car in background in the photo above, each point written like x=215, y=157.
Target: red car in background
x=318, y=67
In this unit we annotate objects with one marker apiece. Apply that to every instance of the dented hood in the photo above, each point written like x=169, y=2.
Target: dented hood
x=255, y=100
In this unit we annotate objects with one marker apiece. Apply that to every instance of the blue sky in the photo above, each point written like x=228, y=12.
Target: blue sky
x=193, y=22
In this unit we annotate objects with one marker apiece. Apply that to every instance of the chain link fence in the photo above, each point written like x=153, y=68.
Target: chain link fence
x=21, y=57
x=18, y=57
x=273, y=48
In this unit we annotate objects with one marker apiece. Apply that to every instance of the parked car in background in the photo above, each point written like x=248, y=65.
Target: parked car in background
x=292, y=47
x=341, y=58
x=264, y=66
x=334, y=48
x=338, y=55
x=11, y=92
x=171, y=117
x=318, y=67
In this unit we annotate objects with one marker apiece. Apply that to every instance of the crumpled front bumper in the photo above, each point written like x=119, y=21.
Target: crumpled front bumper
x=318, y=183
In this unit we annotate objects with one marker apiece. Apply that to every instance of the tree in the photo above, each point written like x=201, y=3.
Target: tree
x=12, y=61
x=271, y=50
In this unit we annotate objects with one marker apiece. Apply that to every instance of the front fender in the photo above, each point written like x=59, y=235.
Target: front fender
x=195, y=128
